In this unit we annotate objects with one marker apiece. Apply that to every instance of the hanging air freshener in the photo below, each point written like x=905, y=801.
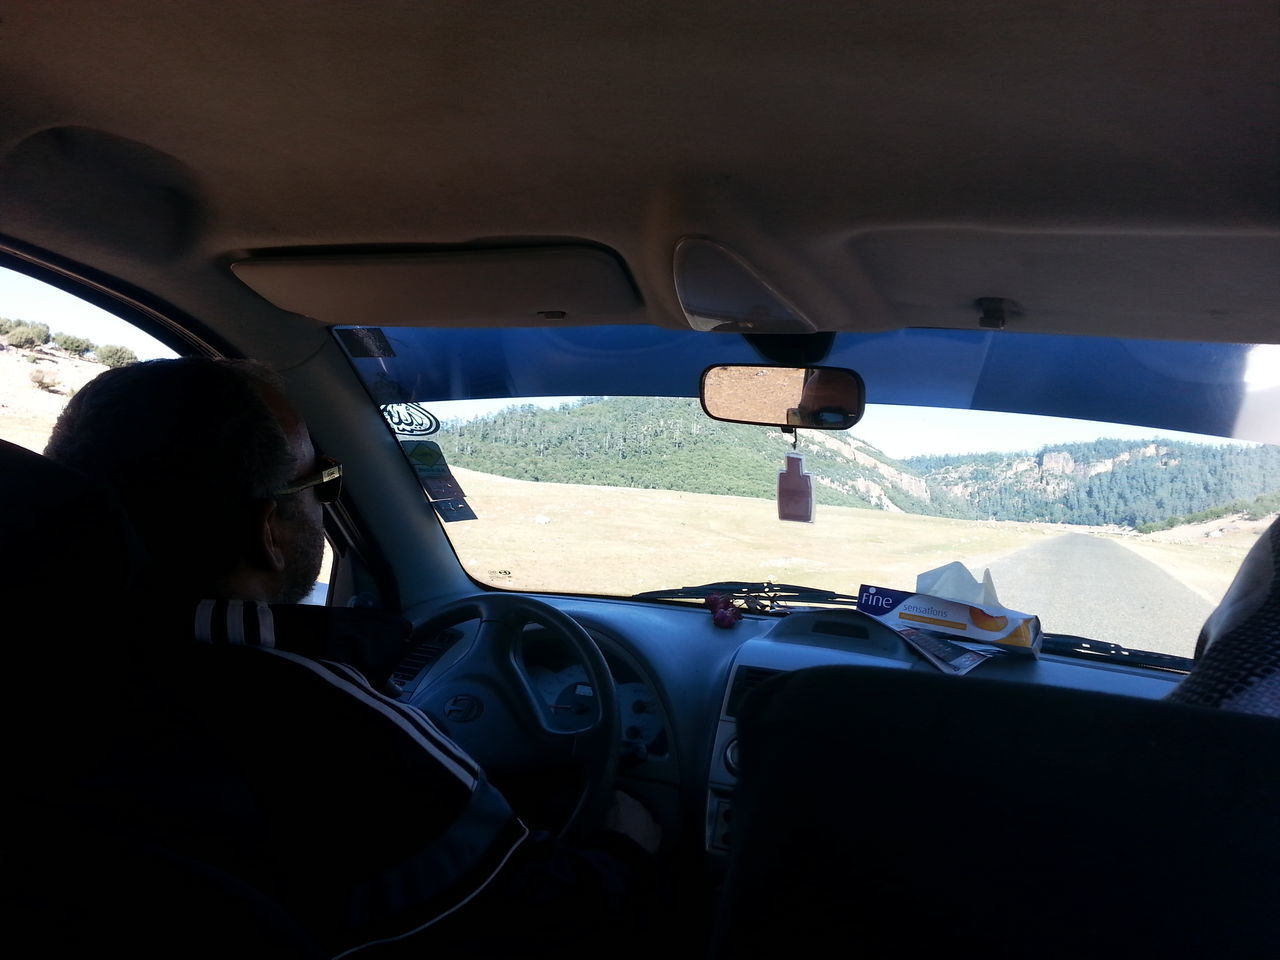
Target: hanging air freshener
x=795, y=491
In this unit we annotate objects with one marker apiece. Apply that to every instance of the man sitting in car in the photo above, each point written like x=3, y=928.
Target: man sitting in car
x=255, y=748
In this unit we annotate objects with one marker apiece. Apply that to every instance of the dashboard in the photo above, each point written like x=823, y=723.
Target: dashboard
x=680, y=681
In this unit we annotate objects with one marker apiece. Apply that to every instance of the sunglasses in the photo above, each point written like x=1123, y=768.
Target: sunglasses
x=327, y=481
x=831, y=417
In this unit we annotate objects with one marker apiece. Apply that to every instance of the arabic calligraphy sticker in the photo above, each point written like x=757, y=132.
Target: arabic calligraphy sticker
x=410, y=419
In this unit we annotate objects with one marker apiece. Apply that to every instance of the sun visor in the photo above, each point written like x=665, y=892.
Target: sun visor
x=500, y=287
x=1173, y=285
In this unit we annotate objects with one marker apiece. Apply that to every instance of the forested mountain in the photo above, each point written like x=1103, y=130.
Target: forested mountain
x=669, y=443
x=1132, y=484
x=666, y=443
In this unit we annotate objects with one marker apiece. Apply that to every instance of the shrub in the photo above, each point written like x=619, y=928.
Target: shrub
x=45, y=380
x=115, y=356
x=28, y=335
x=76, y=346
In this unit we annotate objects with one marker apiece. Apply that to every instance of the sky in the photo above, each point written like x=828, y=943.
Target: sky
x=903, y=432
x=900, y=432
x=22, y=298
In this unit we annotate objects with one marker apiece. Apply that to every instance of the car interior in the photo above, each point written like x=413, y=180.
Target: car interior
x=588, y=301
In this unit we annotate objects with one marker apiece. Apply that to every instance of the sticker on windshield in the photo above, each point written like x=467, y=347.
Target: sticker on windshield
x=410, y=419
x=426, y=456
x=438, y=482
x=365, y=342
x=442, y=488
x=437, y=479
x=451, y=510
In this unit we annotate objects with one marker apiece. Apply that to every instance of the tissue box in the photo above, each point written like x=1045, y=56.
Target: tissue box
x=987, y=623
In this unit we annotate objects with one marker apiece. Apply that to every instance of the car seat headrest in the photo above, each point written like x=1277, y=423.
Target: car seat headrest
x=1238, y=652
x=67, y=542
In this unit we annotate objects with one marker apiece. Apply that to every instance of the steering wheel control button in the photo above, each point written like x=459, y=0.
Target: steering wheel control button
x=719, y=836
x=731, y=756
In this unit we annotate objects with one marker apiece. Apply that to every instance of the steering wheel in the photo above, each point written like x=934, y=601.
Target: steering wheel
x=480, y=693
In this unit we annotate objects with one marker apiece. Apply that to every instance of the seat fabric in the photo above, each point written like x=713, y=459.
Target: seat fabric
x=72, y=575
x=889, y=812
x=1238, y=651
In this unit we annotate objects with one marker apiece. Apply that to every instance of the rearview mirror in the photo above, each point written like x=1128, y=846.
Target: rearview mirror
x=817, y=398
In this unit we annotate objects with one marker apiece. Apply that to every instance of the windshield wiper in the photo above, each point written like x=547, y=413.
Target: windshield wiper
x=1113, y=653
x=761, y=596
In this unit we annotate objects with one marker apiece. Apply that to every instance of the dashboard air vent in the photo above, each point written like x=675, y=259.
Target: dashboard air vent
x=745, y=679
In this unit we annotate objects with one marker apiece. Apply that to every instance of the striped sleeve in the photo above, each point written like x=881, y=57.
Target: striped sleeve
x=377, y=824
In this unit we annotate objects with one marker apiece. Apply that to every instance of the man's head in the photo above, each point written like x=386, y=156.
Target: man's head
x=830, y=398
x=198, y=451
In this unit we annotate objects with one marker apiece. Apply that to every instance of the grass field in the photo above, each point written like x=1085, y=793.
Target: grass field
x=528, y=536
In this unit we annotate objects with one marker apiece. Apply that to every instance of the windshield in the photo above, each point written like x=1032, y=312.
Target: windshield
x=1104, y=528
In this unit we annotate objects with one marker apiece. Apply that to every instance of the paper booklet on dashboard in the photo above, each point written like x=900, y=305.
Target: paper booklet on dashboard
x=946, y=655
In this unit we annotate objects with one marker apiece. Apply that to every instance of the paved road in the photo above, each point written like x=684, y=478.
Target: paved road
x=1095, y=588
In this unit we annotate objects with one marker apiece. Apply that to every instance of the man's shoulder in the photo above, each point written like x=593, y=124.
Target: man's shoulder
x=257, y=681
x=370, y=640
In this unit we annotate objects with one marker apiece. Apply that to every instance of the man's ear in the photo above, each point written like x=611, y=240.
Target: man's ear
x=268, y=537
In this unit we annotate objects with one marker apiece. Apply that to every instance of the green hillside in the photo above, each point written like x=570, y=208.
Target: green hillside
x=1147, y=485
x=647, y=442
x=669, y=443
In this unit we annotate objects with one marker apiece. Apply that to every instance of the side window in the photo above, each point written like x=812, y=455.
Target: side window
x=51, y=344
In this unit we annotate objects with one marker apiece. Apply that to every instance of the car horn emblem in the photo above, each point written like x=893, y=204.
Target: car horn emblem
x=463, y=708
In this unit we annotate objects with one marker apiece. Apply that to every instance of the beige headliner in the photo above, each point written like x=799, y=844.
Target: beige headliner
x=1110, y=167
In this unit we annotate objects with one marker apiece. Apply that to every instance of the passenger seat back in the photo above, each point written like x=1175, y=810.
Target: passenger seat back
x=890, y=812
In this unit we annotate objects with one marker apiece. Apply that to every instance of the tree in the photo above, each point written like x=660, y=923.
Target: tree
x=76, y=346
x=115, y=356
x=28, y=335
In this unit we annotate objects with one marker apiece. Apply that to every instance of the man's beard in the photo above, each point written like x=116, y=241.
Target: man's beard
x=302, y=566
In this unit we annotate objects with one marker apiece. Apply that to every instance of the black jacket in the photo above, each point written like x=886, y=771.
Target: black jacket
x=207, y=746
